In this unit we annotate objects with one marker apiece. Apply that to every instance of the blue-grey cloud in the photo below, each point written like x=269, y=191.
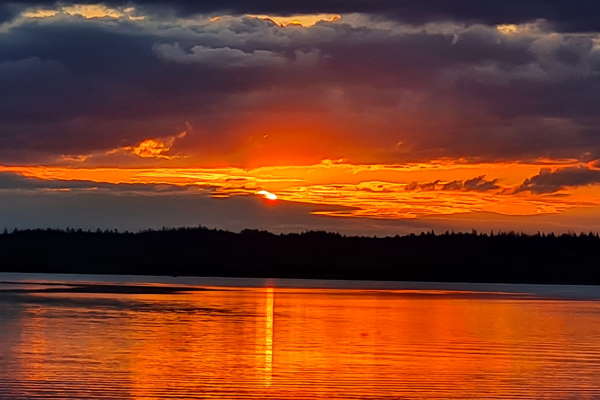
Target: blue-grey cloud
x=75, y=86
x=579, y=16
x=549, y=181
x=15, y=181
x=477, y=184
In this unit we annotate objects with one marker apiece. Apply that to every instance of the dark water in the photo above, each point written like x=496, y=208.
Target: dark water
x=111, y=337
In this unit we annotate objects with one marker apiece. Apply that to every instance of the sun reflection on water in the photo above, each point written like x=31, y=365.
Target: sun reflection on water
x=325, y=344
x=269, y=303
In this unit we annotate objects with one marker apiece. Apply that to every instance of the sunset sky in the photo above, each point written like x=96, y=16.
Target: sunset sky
x=361, y=116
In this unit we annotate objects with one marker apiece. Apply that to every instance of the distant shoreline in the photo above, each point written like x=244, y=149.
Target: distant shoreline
x=193, y=252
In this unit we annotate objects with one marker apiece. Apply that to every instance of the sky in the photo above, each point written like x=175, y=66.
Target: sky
x=367, y=117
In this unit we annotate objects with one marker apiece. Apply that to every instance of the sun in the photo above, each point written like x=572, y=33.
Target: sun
x=267, y=195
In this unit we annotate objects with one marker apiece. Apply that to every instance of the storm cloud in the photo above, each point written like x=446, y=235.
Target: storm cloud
x=71, y=86
x=15, y=181
x=580, y=16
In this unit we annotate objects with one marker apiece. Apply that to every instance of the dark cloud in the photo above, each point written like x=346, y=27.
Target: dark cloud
x=8, y=12
x=14, y=181
x=477, y=184
x=223, y=57
x=580, y=16
x=73, y=86
x=549, y=181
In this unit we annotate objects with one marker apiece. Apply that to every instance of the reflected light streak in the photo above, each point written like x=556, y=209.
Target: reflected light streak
x=331, y=344
x=268, y=349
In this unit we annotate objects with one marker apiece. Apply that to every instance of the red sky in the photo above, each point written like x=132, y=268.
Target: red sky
x=358, y=120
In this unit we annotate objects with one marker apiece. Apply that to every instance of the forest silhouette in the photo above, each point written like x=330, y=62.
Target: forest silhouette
x=447, y=257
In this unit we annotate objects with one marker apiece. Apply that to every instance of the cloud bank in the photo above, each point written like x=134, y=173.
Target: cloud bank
x=582, y=16
x=358, y=88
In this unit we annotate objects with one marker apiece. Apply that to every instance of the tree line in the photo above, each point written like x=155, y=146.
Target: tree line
x=448, y=257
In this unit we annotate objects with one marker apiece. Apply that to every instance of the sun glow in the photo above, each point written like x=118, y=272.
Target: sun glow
x=267, y=195
x=346, y=190
x=87, y=11
x=40, y=13
x=305, y=20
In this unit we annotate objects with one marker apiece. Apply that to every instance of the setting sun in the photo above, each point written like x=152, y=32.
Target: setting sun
x=299, y=199
x=267, y=195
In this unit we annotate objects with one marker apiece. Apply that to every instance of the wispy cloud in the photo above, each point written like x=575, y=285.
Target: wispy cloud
x=152, y=148
x=477, y=184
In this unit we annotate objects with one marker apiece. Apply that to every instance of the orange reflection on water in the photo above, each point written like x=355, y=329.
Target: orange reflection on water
x=268, y=335
x=301, y=343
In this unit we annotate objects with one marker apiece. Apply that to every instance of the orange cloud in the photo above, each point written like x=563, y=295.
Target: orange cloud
x=155, y=148
x=305, y=20
x=87, y=11
x=152, y=148
x=372, y=191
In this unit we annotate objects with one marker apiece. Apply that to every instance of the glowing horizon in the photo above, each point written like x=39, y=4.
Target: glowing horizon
x=393, y=192
x=340, y=113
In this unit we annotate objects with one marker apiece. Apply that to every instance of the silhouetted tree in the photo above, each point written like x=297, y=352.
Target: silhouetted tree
x=467, y=257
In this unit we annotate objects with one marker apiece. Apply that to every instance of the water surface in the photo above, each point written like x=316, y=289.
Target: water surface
x=118, y=337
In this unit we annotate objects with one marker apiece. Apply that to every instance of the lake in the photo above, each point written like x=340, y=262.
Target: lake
x=124, y=337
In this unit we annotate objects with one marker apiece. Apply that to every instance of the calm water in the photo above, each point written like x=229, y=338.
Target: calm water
x=237, y=338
